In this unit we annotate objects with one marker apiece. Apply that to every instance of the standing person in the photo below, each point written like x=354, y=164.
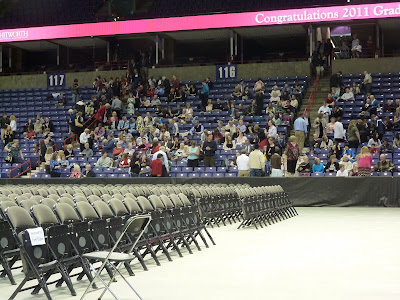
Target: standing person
x=116, y=106
x=75, y=91
x=205, y=91
x=276, y=164
x=14, y=149
x=338, y=131
x=367, y=83
x=364, y=162
x=242, y=163
x=300, y=129
x=256, y=162
x=353, y=135
x=157, y=166
x=193, y=155
x=209, y=148
x=292, y=152
x=4, y=122
x=135, y=165
x=162, y=151
x=259, y=89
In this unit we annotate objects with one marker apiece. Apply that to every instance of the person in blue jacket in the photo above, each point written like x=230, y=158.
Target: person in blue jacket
x=318, y=167
x=204, y=94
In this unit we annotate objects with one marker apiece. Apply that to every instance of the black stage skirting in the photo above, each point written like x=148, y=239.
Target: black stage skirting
x=324, y=191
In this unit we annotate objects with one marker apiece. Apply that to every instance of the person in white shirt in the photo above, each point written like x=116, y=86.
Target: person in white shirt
x=342, y=172
x=348, y=95
x=84, y=138
x=165, y=157
x=325, y=110
x=272, y=131
x=338, y=131
x=242, y=163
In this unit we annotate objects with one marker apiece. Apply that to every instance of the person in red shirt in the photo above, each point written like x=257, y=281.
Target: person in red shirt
x=330, y=100
x=157, y=166
x=125, y=161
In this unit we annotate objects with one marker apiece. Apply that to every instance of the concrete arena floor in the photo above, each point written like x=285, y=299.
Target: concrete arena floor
x=324, y=253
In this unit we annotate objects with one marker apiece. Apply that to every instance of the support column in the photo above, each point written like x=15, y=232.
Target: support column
x=108, y=51
x=241, y=50
x=162, y=49
x=311, y=38
x=377, y=46
x=58, y=55
x=9, y=57
x=94, y=50
x=382, y=45
x=236, y=44
x=231, y=47
x=1, y=58
x=157, y=45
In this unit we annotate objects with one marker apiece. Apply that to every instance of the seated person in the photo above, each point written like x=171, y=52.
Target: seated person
x=197, y=128
x=347, y=95
x=99, y=132
x=123, y=124
x=125, y=161
x=326, y=143
x=337, y=112
x=386, y=147
x=342, y=172
x=332, y=165
x=63, y=162
x=252, y=108
x=349, y=152
x=87, y=152
x=113, y=121
x=118, y=150
x=76, y=173
x=88, y=172
x=384, y=165
x=69, y=152
x=317, y=167
x=275, y=95
x=233, y=163
x=144, y=102
x=218, y=105
x=236, y=94
x=155, y=102
x=316, y=141
x=30, y=133
x=304, y=166
x=104, y=161
x=229, y=144
x=389, y=107
x=345, y=161
x=209, y=106
x=330, y=101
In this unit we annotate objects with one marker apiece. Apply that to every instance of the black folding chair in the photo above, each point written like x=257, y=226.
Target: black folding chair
x=135, y=225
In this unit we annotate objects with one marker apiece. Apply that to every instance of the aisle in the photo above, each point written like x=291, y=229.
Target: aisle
x=324, y=253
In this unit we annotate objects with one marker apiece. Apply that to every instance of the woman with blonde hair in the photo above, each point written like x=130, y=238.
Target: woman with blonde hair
x=13, y=123
x=364, y=162
x=47, y=158
x=353, y=135
x=8, y=135
x=77, y=172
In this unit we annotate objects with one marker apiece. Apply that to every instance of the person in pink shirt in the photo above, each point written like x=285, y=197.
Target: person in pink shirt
x=364, y=160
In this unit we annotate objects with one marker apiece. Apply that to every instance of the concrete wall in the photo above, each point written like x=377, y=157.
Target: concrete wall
x=299, y=68
x=372, y=65
x=39, y=81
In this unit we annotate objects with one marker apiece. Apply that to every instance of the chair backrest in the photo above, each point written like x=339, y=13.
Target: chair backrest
x=118, y=196
x=19, y=218
x=132, y=206
x=4, y=205
x=176, y=200
x=184, y=199
x=106, y=197
x=118, y=207
x=145, y=204
x=136, y=224
x=48, y=202
x=67, y=195
x=103, y=210
x=80, y=198
x=54, y=197
x=66, y=213
x=27, y=204
x=167, y=202
x=86, y=211
x=43, y=192
x=93, y=198
x=156, y=202
x=67, y=200
x=44, y=216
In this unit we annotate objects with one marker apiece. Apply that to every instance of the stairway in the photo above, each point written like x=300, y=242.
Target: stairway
x=321, y=94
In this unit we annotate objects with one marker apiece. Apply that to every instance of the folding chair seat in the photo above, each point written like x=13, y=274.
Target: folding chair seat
x=36, y=260
x=66, y=200
x=80, y=198
x=135, y=226
x=9, y=252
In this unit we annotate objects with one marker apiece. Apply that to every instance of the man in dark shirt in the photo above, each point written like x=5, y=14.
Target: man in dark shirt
x=336, y=80
x=157, y=166
x=4, y=121
x=209, y=148
x=88, y=171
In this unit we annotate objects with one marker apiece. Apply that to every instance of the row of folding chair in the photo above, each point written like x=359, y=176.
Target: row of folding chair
x=175, y=224
x=264, y=205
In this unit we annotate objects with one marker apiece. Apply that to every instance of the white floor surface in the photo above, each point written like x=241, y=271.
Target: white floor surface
x=323, y=253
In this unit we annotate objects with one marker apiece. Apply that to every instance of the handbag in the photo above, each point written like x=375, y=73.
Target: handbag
x=8, y=157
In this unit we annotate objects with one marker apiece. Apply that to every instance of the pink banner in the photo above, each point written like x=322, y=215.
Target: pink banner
x=277, y=17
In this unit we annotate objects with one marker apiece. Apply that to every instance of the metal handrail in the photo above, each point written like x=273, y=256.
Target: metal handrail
x=23, y=172
x=73, y=139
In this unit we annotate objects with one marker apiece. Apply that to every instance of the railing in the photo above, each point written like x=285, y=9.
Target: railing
x=73, y=139
x=22, y=172
x=313, y=95
x=92, y=119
